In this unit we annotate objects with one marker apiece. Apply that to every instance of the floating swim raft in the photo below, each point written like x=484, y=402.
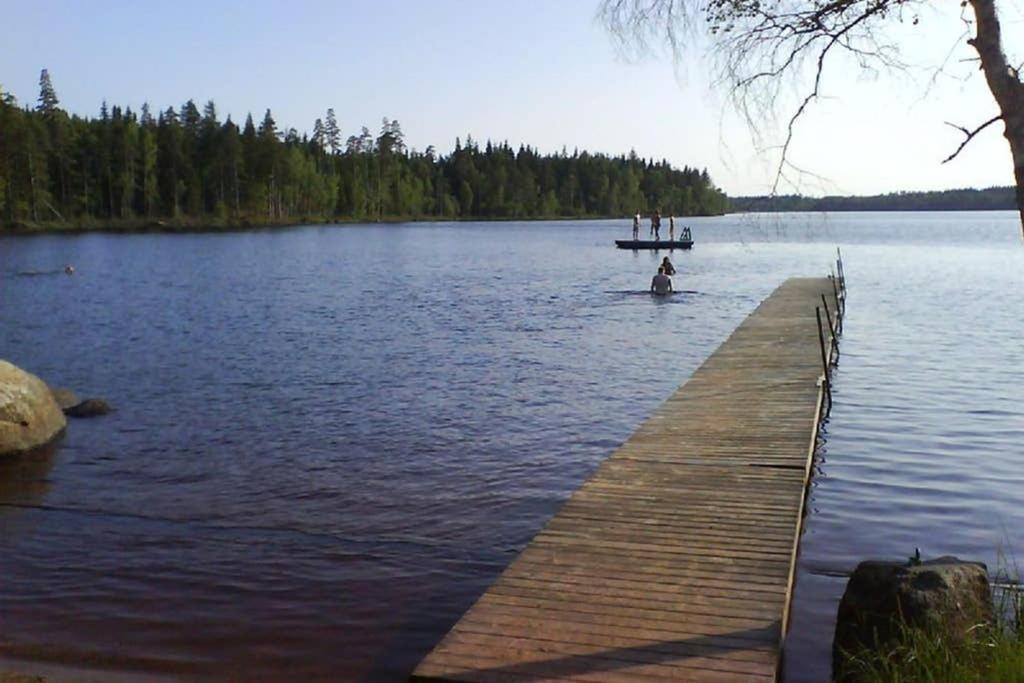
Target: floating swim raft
x=654, y=244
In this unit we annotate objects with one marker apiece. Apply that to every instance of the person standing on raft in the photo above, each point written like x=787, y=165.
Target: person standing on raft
x=656, y=225
x=636, y=226
x=671, y=229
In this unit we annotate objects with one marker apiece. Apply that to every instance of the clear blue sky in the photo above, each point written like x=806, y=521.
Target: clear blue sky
x=534, y=71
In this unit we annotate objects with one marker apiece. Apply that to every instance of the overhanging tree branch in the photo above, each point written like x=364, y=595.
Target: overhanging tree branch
x=759, y=46
x=969, y=135
x=836, y=38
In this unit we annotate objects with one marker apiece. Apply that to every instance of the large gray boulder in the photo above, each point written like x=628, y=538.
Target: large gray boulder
x=946, y=596
x=29, y=416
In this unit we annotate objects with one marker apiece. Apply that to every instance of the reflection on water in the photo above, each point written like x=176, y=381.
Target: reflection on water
x=25, y=479
x=330, y=440
x=923, y=441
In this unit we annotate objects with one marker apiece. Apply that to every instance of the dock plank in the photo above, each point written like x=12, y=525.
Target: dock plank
x=674, y=560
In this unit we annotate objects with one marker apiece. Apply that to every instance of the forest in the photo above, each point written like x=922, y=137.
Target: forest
x=988, y=199
x=186, y=168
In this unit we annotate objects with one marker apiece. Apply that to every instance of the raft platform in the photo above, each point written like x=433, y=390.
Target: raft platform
x=675, y=560
x=654, y=244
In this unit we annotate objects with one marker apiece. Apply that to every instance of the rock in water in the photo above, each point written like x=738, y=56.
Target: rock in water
x=90, y=407
x=946, y=596
x=29, y=416
x=65, y=398
x=14, y=677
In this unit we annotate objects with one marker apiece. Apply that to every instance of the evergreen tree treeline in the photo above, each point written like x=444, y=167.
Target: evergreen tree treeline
x=966, y=199
x=188, y=167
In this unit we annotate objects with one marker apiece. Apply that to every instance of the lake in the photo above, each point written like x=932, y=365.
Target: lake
x=329, y=440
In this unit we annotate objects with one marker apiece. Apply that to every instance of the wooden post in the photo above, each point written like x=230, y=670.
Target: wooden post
x=840, y=307
x=824, y=360
x=831, y=329
x=842, y=273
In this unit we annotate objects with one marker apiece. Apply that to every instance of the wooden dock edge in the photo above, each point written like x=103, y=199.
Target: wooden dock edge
x=821, y=411
x=812, y=448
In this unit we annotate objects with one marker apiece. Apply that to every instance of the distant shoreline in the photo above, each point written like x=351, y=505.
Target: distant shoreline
x=193, y=226
x=197, y=226
x=965, y=199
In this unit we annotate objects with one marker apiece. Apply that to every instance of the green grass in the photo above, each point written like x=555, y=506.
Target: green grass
x=987, y=654
x=994, y=657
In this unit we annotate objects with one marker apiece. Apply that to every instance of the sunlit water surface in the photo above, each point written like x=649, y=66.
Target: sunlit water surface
x=330, y=440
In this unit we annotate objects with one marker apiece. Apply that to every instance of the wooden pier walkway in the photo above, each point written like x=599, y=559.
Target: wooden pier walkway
x=674, y=561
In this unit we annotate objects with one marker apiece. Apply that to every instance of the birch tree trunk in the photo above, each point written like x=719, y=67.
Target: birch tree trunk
x=1004, y=82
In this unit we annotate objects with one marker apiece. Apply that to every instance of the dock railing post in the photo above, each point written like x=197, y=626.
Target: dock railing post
x=840, y=307
x=842, y=273
x=831, y=329
x=824, y=360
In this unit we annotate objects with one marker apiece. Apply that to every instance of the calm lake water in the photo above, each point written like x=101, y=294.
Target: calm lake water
x=330, y=440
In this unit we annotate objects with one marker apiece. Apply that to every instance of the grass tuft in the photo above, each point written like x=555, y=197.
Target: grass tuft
x=988, y=653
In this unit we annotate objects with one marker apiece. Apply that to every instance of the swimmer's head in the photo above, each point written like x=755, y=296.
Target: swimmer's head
x=69, y=269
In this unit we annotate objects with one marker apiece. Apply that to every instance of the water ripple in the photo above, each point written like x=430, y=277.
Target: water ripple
x=328, y=442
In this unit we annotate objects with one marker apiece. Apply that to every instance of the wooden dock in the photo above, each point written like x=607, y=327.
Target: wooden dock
x=675, y=560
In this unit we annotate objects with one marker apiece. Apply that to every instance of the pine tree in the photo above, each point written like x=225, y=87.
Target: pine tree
x=170, y=161
x=47, y=95
x=10, y=117
x=266, y=165
x=318, y=135
x=232, y=151
x=147, y=164
x=332, y=134
x=209, y=164
x=268, y=129
x=55, y=142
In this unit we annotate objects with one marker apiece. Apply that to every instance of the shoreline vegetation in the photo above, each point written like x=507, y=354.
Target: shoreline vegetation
x=186, y=169
x=989, y=199
x=964, y=199
x=997, y=199
x=199, y=225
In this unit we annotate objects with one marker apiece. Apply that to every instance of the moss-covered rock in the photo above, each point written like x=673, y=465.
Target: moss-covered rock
x=29, y=415
x=948, y=598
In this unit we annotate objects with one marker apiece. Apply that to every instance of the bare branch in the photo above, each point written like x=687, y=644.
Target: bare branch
x=969, y=135
x=835, y=39
x=761, y=46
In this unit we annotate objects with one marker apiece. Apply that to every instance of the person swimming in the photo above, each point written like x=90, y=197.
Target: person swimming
x=661, y=284
x=668, y=267
x=69, y=269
